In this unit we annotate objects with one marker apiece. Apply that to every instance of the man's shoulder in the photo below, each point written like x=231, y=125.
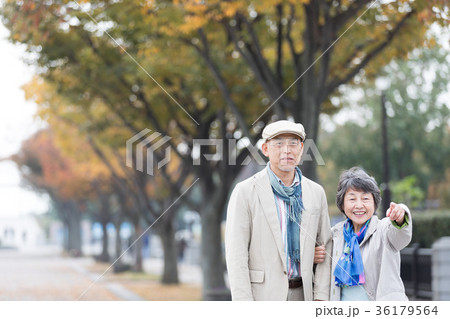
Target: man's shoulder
x=247, y=187
x=313, y=185
x=255, y=178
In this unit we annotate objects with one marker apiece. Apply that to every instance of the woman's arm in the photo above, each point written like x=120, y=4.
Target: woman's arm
x=399, y=230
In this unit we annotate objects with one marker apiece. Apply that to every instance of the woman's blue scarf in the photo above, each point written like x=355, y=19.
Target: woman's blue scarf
x=349, y=270
x=293, y=197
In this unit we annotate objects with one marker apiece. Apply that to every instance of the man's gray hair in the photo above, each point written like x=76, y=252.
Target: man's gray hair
x=356, y=178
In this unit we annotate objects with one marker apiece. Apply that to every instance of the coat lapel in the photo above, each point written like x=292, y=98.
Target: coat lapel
x=371, y=229
x=266, y=198
x=306, y=198
x=338, y=242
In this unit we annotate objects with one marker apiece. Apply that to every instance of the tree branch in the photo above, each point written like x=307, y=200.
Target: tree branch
x=295, y=55
x=205, y=54
x=342, y=18
x=257, y=68
x=279, y=62
x=369, y=56
x=255, y=50
x=326, y=47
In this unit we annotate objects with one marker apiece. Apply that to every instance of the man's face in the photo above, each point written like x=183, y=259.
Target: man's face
x=284, y=152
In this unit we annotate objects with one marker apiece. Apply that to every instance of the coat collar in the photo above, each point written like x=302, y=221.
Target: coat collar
x=373, y=225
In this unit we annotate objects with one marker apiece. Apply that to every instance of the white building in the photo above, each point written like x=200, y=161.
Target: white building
x=20, y=232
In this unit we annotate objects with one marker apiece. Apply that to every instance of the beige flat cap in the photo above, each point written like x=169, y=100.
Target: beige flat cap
x=283, y=127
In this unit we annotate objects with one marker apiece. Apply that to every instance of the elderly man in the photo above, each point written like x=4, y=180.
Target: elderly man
x=275, y=219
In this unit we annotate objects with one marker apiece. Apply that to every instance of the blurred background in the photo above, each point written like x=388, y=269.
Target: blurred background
x=95, y=208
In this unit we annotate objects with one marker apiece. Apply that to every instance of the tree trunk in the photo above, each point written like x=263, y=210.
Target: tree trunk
x=212, y=258
x=386, y=201
x=118, y=246
x=306, y=112
x=65, y=243
x=104, y=256
x=309, y=170
x=104, y=218
x=166, y=232
x=309, y=158
x=137, y=267
x=73, y=230
x=71, y=217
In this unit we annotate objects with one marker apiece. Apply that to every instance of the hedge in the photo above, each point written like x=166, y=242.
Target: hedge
x=429, y=227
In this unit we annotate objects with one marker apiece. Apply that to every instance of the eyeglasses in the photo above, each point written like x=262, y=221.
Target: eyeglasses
x=281, y=142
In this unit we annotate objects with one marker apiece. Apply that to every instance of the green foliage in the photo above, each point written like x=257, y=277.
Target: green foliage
x=429, y=227
x=418, y=121
x=352, y=145
x=419, y=117
x=406, y=191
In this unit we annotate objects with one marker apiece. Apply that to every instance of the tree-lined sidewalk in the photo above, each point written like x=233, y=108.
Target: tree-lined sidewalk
x=45, y=275
x=38, y=276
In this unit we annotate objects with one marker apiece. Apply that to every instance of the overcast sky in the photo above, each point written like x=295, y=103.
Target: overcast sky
x=16, y=124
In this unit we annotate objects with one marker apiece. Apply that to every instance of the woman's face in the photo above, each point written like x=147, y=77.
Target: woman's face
x=359, y=207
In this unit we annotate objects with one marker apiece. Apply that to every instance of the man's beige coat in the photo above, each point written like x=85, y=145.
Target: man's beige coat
x=255, y=254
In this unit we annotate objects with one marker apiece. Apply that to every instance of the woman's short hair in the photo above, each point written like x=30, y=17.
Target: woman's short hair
x=356, y=178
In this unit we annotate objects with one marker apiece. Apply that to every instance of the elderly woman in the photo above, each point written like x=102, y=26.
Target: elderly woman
x=366, y=250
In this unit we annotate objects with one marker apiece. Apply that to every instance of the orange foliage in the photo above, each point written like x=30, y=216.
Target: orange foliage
x=46, y=168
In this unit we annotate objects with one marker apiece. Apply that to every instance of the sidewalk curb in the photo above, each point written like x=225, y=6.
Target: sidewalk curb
x=115, y=288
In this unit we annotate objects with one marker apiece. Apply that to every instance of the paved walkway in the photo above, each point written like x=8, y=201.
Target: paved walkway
x=44, y=275
x=188, y=273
